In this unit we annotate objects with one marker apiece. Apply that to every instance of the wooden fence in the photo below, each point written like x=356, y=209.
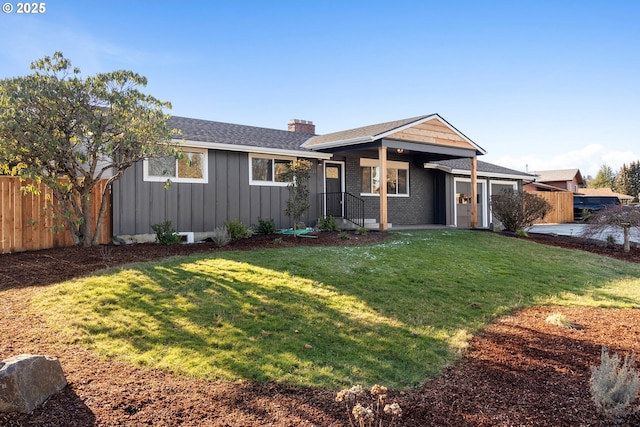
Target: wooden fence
x=562, y=206
x=26, y=222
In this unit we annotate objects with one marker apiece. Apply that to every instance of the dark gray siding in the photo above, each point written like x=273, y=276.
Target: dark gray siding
x=202, y=207
x=418, y=208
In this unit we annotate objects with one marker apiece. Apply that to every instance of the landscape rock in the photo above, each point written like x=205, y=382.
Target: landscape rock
x=28, y=380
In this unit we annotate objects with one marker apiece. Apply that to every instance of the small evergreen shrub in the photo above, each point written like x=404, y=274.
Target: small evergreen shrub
x=221, y=237
x=614, y=386
x=327, y=223
x=237, y=230
x=362, y=231
x=166, y=234
x=266, y=226
x=344, y=236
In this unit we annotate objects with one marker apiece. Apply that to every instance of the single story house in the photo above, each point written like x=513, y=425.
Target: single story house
x=415, y=171
x=557, y=179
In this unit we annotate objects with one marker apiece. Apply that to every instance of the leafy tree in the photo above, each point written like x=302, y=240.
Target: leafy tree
x=517, y=209
x=298, y=178
x=70, y=132
x=627, y=181
x=604, y=178
x=617, y=218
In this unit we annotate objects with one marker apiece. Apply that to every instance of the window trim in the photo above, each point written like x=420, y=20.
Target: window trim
x=273, y=158
x=391, y=164
x=176, y=179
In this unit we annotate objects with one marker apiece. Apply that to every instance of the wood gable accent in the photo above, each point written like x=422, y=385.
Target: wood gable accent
x=432, y=131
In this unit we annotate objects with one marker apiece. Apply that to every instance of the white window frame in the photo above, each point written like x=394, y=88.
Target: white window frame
x=273, y=158
x=205, y=170
x=391, y=164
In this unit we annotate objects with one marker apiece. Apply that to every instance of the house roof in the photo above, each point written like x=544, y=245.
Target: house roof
x=558, y=175
x=228, y=133
x=398, y=129
x=429, y=133
x=209, y=134
x=463, y=166
x=603, y=192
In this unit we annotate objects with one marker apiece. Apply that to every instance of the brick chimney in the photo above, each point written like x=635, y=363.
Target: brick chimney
x=303, y=126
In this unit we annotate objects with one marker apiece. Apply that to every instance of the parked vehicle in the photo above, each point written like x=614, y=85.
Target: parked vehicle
x=584, y=206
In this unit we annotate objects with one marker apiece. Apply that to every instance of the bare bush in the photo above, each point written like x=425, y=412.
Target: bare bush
x=517, y=209
x=603, y=221
x=613, y=386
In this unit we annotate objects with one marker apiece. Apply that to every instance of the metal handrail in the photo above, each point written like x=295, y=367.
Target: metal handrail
x=353, y=206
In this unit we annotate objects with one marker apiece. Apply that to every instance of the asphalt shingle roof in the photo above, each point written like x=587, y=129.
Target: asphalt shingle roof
x=465, y=164
x=228, y=133
x=557, y=175
x=364, y=131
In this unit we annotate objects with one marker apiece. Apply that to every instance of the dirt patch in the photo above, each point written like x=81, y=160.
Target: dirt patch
x=519, y=371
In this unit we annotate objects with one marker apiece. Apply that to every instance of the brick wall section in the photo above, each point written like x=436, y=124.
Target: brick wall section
x=416, y=209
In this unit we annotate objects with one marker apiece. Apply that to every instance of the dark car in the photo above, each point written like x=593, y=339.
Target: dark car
x=583, y=206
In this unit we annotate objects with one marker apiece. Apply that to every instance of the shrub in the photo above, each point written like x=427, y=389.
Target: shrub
x=344, y=236
x=221, y=237
x=560, y=320
x=327, y=223
x=613, y=386
x=366, y=415
x=237, y=230
x=517, y=210
x=166, y=234
x=362, y=231
x=266, y=226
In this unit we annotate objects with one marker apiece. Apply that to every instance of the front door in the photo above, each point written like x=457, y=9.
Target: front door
x=333, y=188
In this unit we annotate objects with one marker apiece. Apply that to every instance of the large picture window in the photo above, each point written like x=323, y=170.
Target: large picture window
x=267, y=170
x=396, y=178
x=191, y=166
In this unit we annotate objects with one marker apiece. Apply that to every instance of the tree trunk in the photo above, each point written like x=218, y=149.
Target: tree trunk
x=627, y=244
x=103, y=208
x=87, y=220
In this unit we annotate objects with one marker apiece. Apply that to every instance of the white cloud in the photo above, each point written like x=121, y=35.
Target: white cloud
x=588, y=159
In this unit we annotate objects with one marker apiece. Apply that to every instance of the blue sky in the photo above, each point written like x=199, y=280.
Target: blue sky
x=538, y=84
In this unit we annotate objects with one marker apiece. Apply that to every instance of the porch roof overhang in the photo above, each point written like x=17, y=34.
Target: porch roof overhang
x=429, y=134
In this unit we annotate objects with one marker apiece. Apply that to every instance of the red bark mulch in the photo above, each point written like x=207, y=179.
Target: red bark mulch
x=520, y=371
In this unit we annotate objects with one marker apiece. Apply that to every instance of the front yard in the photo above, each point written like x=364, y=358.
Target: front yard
x=308, y=321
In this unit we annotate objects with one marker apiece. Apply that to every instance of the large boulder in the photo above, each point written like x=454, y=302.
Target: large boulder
x=28, y=380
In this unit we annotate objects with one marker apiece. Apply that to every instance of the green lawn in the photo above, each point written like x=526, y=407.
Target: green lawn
x=393, y=313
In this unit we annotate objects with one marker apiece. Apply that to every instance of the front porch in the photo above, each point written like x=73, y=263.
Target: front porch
x=385, y=165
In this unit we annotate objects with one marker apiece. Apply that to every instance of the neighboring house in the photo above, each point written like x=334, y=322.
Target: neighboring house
x=234, y=171
x=562, y=179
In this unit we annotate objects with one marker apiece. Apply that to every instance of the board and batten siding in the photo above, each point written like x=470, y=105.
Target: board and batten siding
x=197, y=207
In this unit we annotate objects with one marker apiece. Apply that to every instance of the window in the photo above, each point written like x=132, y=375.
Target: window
x=190, y=167
x=397, y=177
x=266, y=170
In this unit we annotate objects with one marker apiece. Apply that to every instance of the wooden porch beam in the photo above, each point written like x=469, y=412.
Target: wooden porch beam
x=382, y=155
x=474, y=192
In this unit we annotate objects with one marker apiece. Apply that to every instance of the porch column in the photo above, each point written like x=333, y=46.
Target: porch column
x=382, y=155
x=474, y=192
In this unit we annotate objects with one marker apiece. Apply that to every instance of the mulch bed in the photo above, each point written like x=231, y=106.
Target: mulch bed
x=520, y=371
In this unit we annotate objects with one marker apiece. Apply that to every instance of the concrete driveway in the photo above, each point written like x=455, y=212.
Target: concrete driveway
x=577, y=230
